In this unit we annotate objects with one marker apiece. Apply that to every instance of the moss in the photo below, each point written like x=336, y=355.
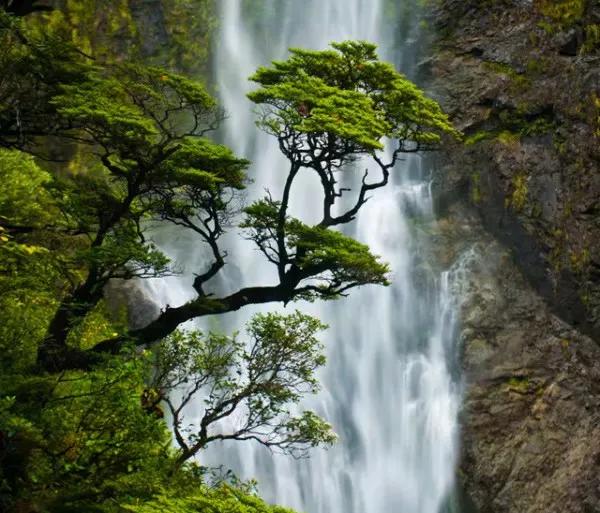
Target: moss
x=536, y=210
x=524, y=121
x=104, y=32
x=536, y=66
x=547, y=27
x=596, y=115
x=538, y=126
x=580, y=260
x=592, y=38
x=556, y=256
x=519, y=384
x=512, y=124
x=586, y=298
x=559, y=143
x=475, y=190
x=508, y=138
x=108, y=30
x=519, y=81
x=518, y=197
x=560, y=14
x=480, y=135
x=565, y=346
x=190, y=25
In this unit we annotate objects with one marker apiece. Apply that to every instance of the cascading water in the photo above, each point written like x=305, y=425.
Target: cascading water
x=388, y=389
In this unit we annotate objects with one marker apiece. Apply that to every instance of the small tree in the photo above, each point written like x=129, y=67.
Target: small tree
x=256, y=383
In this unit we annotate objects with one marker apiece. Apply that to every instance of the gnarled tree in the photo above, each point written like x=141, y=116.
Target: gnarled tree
x=328, y=110
x=141, y=132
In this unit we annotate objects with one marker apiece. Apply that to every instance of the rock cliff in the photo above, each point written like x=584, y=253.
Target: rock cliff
x=521, y=79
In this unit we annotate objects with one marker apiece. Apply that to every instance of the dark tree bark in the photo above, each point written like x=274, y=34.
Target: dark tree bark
x=171, y=318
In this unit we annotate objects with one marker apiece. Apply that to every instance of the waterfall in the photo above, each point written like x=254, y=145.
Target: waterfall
x=388, y=388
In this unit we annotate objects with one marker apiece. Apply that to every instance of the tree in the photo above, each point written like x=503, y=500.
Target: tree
x=258, y=381
x=328, y=110
x=142, y=132
x=155, y=164
x=142, y=138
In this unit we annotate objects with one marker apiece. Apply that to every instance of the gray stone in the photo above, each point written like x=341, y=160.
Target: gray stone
x=129, y=300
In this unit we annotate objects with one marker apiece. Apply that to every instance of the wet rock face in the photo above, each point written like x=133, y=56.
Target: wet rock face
x=532, y=409
x=150, y=21
x=531, y=412
x=524, y=85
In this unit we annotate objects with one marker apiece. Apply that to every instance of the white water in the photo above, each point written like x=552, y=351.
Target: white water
x=388, y=389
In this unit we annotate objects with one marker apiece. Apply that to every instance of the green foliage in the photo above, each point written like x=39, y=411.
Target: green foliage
x=87, y=441
x=95, y=104
x=29, y=272
x=123, y=255
x=333, y=261
x=346, y=94
x=123, y=147
x=26, y=206
x=258, y=380
x=347, y=260
x=80, y=437
x=200, y=163
x=220, y=500
x=141, y=156
x=24, y=199
x=118, y=111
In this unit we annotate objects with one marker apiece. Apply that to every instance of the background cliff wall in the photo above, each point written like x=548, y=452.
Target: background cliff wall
x=521, y=79
x=171, y=33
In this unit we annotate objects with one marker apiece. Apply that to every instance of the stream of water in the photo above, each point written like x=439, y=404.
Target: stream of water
x=388, y=387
